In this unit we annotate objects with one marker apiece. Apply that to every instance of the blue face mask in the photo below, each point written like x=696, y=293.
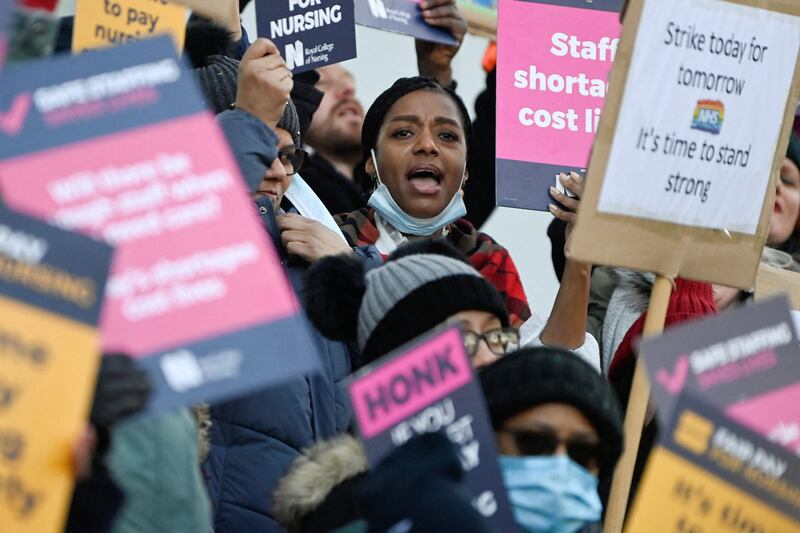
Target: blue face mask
x=382, y=201
x=550, y=494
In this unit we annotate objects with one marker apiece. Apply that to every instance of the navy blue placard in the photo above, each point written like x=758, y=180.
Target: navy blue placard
x=65, y=99
x=53, y=269
x=527, y=185
x=730, y=359
x=400, y=16
x=231, y=365
x=309, y=33
x=461, y=414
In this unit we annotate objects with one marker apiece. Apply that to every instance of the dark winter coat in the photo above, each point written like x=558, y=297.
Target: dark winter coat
x=337, y=192
x=256, y=437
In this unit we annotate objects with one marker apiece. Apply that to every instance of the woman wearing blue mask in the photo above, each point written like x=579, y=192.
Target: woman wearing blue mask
x=415, y=141
x=559, y=432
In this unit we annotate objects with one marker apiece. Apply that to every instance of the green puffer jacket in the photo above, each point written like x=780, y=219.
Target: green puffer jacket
x=155, y=462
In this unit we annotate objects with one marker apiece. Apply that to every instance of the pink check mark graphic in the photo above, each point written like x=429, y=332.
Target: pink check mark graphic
x=11, y=121
x=674, y=382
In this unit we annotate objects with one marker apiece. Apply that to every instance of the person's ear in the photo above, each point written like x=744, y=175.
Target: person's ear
x=369, y=167
x=466, y=177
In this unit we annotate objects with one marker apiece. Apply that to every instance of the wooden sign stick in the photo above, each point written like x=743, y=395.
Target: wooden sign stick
x=636, y=412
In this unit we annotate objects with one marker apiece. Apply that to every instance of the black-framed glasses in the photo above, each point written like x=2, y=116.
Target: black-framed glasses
x=585, y=452
x=500, y=341
x=292, y=158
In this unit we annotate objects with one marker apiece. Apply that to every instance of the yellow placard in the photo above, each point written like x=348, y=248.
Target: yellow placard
x=101, y=23
x=677, y=496
x=48, y=366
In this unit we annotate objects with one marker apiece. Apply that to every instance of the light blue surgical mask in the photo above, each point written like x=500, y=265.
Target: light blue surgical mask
x=382, y=201
x=550, y=494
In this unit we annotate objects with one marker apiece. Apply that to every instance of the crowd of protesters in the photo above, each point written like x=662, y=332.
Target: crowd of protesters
x=406, y=186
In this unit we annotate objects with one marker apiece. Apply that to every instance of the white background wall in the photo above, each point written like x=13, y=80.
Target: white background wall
x=383, y=57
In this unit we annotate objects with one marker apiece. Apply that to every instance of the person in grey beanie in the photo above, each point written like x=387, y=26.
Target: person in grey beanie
x=422, y=285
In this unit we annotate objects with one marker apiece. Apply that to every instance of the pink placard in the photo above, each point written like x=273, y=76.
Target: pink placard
x=410, y=382
x=192, y=259
x=548, y=100
x=776, y=415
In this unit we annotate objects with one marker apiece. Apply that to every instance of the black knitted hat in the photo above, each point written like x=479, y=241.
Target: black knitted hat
x=535, y=376
x=218, y=78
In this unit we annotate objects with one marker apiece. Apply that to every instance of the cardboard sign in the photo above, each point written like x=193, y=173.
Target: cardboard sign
x=424, y=387
x=553, y=60
x=102, y=23
x=689, y=79
x=117, y=144
x=771, y=281
x=481, y=17
x=51, y=287
x=709, y=474
x=745, y=361
x=400, y=16
x=309, y=33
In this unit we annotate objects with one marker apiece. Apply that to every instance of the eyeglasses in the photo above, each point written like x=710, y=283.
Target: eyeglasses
x=500, y=341
x=292, y=158
x=586, y=453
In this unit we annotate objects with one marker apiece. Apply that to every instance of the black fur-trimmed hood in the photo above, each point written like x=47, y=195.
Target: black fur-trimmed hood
x=314, y=475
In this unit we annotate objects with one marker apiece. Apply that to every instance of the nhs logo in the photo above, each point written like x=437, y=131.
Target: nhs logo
x=709, y=116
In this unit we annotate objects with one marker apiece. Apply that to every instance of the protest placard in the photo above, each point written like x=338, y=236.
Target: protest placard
x=309, y=33
x=771, y=280
x=745, y=361
x=118, y=144
x=51, y=288
x=101, y=23
x=692, y=78
x=400, y=16
x=553, y=60
x=481, y=17
x=656, y=199
x=708, y=473
x=428, y=386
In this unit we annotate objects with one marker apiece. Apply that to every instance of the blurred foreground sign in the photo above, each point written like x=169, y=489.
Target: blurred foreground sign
x=51, y=289
x=708, y=474
x=746, y=362
x=102, y=23
x=117, y=144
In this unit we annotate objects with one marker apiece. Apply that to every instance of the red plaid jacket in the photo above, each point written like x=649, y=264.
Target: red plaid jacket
x=486, y=256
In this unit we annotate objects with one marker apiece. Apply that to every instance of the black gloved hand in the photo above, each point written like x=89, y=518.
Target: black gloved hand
x=123, y=389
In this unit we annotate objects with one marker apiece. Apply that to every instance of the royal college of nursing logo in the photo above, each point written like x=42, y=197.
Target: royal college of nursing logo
x=708, y=116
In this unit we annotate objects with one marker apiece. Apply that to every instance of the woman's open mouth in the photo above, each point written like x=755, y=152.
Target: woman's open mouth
x=425, y=179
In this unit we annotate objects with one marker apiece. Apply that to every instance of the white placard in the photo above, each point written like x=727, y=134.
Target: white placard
x=701, y=115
